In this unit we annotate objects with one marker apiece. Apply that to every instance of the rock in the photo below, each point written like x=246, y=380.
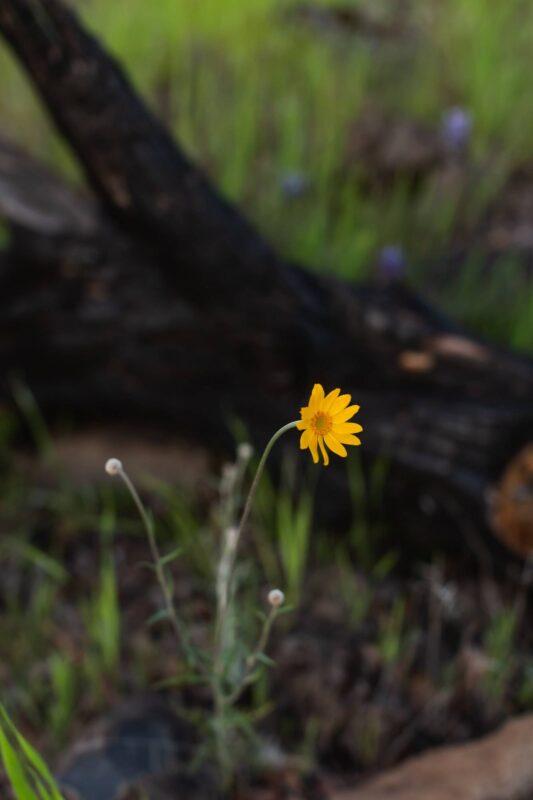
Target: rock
x=498, y=767
x=143, y=750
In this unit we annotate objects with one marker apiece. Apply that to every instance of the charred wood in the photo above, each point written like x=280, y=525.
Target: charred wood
x=155, y=300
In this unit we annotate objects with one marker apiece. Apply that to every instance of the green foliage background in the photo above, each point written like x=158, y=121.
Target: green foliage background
x=252, y=91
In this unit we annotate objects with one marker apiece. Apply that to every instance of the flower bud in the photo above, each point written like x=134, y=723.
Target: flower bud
x=245, y=451
x=276, y=598
x=113, y=466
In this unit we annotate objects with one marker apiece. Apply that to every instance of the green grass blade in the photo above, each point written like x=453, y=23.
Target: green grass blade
x=42, y=774
x=15, y=770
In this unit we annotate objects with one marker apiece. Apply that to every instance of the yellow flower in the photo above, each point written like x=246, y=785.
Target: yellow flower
x=325, y=422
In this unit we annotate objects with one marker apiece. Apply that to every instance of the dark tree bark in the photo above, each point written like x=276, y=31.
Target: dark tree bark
x=158, y=302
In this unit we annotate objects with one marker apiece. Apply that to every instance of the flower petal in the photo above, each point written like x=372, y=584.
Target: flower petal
x=344, y=416
x=340, y=428
x=335, y=445
x=317, y=396
x=330, y=399
x=339, y=403
x=313, y=447
x=302, y=425
x=324, y=451
x=348, y=439
x=305, y=438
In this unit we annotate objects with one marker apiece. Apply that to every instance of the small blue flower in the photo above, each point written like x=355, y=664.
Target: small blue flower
x=294, y=184
x=391, y=262
x=456, y=128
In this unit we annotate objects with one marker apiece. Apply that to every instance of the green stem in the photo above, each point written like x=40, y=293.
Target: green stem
x=229, y=560
x=260, y=468
x=159, y=569
x=248, y=677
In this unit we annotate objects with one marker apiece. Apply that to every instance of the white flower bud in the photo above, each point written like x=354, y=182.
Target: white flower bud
x=245, y=451
x=113, y=466
x=276, y=598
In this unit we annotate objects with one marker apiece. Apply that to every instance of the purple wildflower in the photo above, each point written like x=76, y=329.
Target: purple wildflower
x=294, y=184
x=391, y=263
x=456, y=128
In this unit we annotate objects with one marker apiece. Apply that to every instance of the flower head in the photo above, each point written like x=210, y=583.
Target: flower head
x=276, y=598
x=456, y=128
x=391, y=263
x=325, y=423
x=113, y=466
x=294, y=184
x=245, y=451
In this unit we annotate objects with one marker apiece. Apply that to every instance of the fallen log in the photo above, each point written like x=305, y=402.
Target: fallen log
x=155, y=301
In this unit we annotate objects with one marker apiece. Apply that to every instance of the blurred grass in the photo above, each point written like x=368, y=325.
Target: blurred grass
x=253, y=93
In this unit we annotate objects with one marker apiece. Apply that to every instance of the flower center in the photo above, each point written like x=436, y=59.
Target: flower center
x=321, y=423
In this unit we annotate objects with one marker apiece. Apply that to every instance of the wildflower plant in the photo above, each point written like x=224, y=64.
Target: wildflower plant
x=228, y=666
x=228, y=670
